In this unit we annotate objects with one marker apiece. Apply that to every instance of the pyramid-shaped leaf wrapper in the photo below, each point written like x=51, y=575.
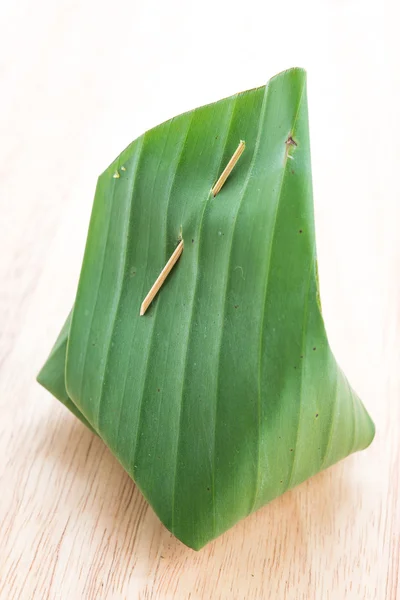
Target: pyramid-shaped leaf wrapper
x=225, y=393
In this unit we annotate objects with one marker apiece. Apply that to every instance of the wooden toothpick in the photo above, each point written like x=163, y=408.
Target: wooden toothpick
x=179, y=249
x=161, y=278
x=226, y=172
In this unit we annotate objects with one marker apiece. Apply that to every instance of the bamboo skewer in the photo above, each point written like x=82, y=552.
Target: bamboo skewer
x=161, y=278
x=227, y=171
x=159, y=282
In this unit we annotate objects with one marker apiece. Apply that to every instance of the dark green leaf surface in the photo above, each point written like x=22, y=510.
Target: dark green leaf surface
x=226, y=393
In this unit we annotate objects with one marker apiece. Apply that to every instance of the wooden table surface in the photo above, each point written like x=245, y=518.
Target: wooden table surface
x=78, y=82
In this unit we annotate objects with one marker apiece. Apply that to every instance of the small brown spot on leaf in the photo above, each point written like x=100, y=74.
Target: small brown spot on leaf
x=316, y=415
x=300, y=231
x=290, y=141
x=314, y=348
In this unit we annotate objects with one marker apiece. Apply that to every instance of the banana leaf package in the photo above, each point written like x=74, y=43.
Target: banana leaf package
x=225, y=392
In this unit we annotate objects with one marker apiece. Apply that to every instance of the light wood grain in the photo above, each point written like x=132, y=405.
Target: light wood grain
x=79, y=81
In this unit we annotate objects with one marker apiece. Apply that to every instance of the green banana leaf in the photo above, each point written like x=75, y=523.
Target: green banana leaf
x=225, y=393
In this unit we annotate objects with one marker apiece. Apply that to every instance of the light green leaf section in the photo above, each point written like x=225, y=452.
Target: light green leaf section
x=226, y=393
x=52, y=375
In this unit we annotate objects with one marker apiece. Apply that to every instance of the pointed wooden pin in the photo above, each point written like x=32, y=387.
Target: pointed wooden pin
x=161, y=278
x=227, y=171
